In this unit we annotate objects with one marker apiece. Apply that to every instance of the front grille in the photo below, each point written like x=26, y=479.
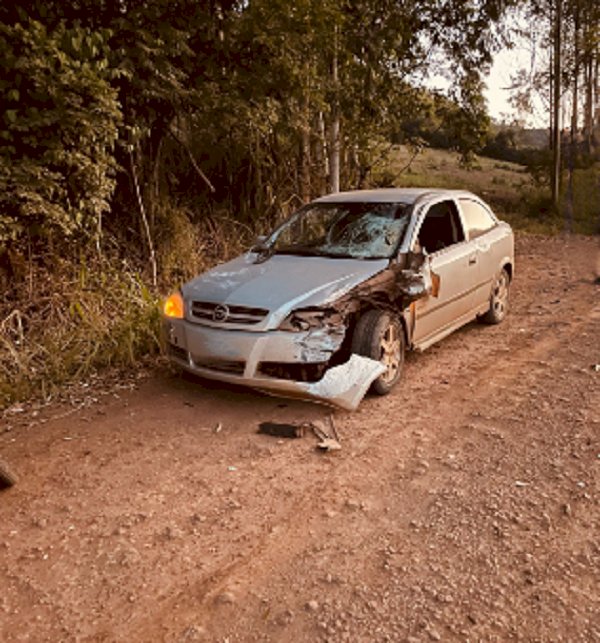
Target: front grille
x=223, y=366
x=226, y=314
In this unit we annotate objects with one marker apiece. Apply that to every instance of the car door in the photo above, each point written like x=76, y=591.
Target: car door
x=479, y=225
x=454, y=259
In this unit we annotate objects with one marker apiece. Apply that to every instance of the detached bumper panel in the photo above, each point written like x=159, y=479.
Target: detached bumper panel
x=235, y=357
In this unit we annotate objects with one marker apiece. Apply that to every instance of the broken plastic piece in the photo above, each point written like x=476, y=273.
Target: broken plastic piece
x=328, y=439
x=346, y=385
x=329, y=444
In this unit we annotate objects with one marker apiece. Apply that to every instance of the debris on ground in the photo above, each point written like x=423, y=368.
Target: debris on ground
x=329, y=439
x=326, y=432
x=282, y=429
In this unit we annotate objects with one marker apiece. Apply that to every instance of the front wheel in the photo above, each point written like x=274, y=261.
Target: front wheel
x=379, y=335
x=498, y=299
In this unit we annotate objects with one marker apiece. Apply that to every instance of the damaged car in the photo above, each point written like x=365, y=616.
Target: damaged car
x=326, y=305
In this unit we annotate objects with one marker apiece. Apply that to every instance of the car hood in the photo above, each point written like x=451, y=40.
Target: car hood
x=282, y=283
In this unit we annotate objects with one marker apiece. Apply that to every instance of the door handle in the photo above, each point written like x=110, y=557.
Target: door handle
x=472, y=261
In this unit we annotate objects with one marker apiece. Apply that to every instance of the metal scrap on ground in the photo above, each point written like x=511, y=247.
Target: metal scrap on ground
x=282, y=429
x=328, y=437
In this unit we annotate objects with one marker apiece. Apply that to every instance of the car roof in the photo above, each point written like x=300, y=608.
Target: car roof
x=391, y=195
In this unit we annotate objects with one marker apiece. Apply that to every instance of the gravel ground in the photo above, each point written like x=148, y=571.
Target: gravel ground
x=464, y=506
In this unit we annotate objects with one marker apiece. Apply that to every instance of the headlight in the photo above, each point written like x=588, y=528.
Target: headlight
x=299, y=320
x=173, y=306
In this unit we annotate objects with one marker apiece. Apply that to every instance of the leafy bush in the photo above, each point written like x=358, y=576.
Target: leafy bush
x=58, y=129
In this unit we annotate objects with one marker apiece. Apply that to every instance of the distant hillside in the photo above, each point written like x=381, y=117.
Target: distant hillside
x=508, y=187
x=500, y=182
x=536, y=138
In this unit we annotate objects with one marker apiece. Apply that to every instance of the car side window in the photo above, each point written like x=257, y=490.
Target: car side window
x=441, y=227
x=477, y=219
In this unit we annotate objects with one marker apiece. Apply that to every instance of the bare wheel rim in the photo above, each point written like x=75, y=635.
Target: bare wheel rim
x=500, y=295
x=391, y=352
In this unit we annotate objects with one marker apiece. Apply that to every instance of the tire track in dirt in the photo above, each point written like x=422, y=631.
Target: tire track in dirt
x=525, y=345
x=428, y=480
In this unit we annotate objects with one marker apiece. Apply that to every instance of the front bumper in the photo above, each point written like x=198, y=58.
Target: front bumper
x=235, y=356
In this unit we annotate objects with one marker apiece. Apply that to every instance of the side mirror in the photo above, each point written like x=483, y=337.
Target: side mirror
x=263, y=249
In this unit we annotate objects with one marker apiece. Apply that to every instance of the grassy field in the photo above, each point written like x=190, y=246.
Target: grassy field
x=508, y=187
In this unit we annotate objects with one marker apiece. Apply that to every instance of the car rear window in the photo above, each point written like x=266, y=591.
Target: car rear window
x=477, y=219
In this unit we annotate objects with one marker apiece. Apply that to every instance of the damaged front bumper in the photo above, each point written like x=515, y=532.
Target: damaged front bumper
x=236, y=357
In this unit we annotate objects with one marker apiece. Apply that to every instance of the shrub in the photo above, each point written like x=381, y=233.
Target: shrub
x=59, y=125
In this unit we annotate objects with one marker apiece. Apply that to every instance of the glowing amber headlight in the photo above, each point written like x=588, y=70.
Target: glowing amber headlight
x=173, y=306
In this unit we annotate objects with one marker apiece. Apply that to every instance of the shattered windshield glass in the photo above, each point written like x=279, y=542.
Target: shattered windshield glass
x=352, y=230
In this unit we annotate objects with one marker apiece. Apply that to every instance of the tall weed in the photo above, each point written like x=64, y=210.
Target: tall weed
x=68, y=321
x=72, y=322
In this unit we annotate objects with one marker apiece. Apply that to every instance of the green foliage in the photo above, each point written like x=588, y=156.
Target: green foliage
x=586, y=205
x=58, y=131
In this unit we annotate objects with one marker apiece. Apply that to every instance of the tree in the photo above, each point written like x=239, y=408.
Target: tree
x=59, y=129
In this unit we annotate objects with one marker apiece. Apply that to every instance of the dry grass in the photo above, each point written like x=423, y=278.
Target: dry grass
x=499, y=182
x=508, y=187
x=68, y=322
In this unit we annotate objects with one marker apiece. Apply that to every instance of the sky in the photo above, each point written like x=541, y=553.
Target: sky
x=506, y=63
x=498, y=92
x=498, y=81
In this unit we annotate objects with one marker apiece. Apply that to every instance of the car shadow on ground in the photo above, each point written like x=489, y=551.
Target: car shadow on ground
x=195, y=390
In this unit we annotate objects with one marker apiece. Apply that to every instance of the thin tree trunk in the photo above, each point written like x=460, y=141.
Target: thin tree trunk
x=334, y=127
x=557, y=86
x=588, y=112
x=320, y=154
x=144, y=221
x=573, y=134
x=576, y=65
x=334, y=154
x=551, y=110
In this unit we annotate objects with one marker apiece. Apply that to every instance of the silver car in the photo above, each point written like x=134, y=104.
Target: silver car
x=326, y=305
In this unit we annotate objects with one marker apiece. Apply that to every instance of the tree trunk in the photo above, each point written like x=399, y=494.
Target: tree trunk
x=334, y=126
x=588, y=116
x=572, y=152
x=551, y=110
x=557, y=86
x=334, y=154
x=320, y=155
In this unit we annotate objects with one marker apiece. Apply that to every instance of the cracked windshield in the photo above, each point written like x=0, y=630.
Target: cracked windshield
x=349, y=230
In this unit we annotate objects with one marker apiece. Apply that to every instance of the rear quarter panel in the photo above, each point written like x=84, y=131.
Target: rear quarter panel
x=496, y=250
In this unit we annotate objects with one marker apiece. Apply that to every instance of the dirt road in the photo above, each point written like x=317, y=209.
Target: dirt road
x=464, y=506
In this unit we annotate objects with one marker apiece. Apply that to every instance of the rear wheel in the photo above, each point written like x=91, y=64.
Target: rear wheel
x=379, y=335
x=498, y=299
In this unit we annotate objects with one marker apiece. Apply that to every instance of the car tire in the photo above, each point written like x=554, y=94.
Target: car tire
x=378, y=334
x=7, y=478
x=498, y=299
